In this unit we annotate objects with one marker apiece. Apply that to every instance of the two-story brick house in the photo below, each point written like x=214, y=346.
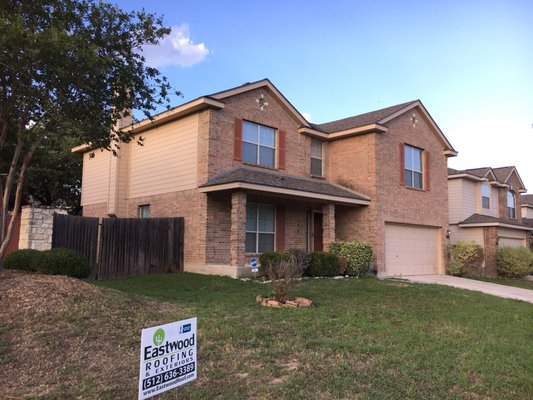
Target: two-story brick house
x=485, y=207
x=250, y=174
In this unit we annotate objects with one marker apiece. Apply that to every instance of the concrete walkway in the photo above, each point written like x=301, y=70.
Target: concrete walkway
x=508, y=292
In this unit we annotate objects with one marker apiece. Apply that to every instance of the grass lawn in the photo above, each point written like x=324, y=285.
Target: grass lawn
x=366, y=338
x=521, y=283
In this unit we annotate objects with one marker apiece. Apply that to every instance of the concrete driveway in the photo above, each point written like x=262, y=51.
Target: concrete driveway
x=508, y=292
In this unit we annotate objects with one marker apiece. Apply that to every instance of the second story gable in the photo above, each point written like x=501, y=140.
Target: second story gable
x=492, y=192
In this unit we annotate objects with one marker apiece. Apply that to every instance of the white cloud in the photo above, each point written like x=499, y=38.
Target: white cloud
x=177, y=48
x=307, y=116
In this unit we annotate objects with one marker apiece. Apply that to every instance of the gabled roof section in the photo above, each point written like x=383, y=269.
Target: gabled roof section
x=377, y=120
x=527, y=199
x=264, y=83
x=357, y=121
x=504, y=175
x=496, y=176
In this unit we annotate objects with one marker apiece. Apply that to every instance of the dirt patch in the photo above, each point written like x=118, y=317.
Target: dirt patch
x=65, y=338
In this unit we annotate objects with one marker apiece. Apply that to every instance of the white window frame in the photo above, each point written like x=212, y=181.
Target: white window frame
x=257, y=232
x=485, y=195
x=144, y=211
x=259, y=145
x=511, y=205
x=409, y=170
x=321, y=158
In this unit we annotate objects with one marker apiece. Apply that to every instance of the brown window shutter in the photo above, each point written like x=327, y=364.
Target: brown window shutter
x=280, y=228
x=426, y=170
x=402, y=164
x=282, y=136
x=237, y=142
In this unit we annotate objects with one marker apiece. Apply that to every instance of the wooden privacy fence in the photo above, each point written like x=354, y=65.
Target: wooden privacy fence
x=122, y=247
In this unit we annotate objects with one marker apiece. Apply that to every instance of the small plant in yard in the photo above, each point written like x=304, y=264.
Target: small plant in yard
x=286, y=271
x=358, y=256
x=266, y=260
x=323, y=264
x=24, y=259
x=302, y=258
x=467, y=258
x=514, y=262
x=62, y=261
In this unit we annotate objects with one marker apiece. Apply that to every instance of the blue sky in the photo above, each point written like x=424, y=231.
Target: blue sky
x=470, y=62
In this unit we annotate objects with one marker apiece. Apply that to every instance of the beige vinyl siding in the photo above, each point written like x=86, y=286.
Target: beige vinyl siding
x=167, y=161
x=466, y=235
x=95, y=177
x=455, y=202
x=527, y=212
x=470, y=198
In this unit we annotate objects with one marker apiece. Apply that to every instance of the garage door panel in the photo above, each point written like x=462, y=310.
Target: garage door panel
x=411, y=250
x=511, y=242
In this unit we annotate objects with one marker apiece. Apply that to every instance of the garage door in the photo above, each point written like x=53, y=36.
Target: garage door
x=511, y=242
x=411, y=250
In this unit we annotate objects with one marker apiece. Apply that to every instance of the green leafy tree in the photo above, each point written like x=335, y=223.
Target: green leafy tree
x=69, y=68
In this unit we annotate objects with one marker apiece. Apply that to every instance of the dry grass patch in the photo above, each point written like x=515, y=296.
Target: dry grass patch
x=64, y=338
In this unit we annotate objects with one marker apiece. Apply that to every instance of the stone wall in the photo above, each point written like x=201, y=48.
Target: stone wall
x=36, y=226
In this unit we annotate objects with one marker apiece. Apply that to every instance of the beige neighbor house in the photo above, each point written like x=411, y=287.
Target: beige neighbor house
x=485, y=207
x=250, y=174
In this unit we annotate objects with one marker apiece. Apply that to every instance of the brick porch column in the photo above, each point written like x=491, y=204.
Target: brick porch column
x=238, y=228
x=490, y=245
x=328, y=225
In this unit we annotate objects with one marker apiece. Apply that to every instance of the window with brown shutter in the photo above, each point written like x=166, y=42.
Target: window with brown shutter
x=237, y=142
x=426, y=170
x=282, y=137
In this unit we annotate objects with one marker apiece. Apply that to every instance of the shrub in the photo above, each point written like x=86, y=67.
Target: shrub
x=62, y=261
x=285, y=271
x=323, y=264
x=302, y=258
x=469, y=255
x=358, y=256
x=24, y=259
x=268, y=259
x=513, y=262
x=455, y=268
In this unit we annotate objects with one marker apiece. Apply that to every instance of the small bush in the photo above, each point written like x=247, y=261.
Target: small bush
x=514, y=262
x=64, y=262
x=268, y=259
x=24, y=259
x=302, y=258
x=323, y=264
x=285, y=271
x=455, y=268
x=469, y=255
x=358, y=256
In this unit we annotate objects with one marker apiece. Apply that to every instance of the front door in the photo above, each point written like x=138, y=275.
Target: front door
x=318, y=245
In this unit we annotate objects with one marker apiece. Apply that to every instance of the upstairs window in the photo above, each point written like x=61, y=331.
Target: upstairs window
x=511, y=211
x=144, y=211
x=260, y=227
x=316, y=158
x=485, y=195
x=258, y=144
x=413, y=167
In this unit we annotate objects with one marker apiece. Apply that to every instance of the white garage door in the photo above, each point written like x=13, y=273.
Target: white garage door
x=511, y=242
x=411, y=250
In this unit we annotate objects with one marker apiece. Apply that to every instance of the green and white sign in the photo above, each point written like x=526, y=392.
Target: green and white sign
x=168, y=357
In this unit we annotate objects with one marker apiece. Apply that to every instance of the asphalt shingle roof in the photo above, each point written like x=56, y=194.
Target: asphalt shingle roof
x=281, y=180
x=483, y=219
x=360, y=120
x=527, y=199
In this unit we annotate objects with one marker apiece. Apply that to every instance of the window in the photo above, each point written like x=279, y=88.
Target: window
x=413, y=167
x=144, y=211
x=316, y=158
x=511, y=212
x=260, y=227
x=258, y=144
x=485, y=195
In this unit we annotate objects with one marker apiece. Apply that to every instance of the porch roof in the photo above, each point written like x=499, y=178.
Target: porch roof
x=479, y=220
x=278, y=183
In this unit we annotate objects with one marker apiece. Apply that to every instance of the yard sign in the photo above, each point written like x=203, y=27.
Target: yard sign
x=168, y=357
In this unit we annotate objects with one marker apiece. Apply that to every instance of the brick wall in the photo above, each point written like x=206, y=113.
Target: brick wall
x=95, y=210
x=490, y=236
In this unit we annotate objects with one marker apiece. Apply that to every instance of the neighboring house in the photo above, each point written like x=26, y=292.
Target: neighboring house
x=250, y=174
x=485, y=207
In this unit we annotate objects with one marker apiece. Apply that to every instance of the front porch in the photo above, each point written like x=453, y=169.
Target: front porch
x=245, y=219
